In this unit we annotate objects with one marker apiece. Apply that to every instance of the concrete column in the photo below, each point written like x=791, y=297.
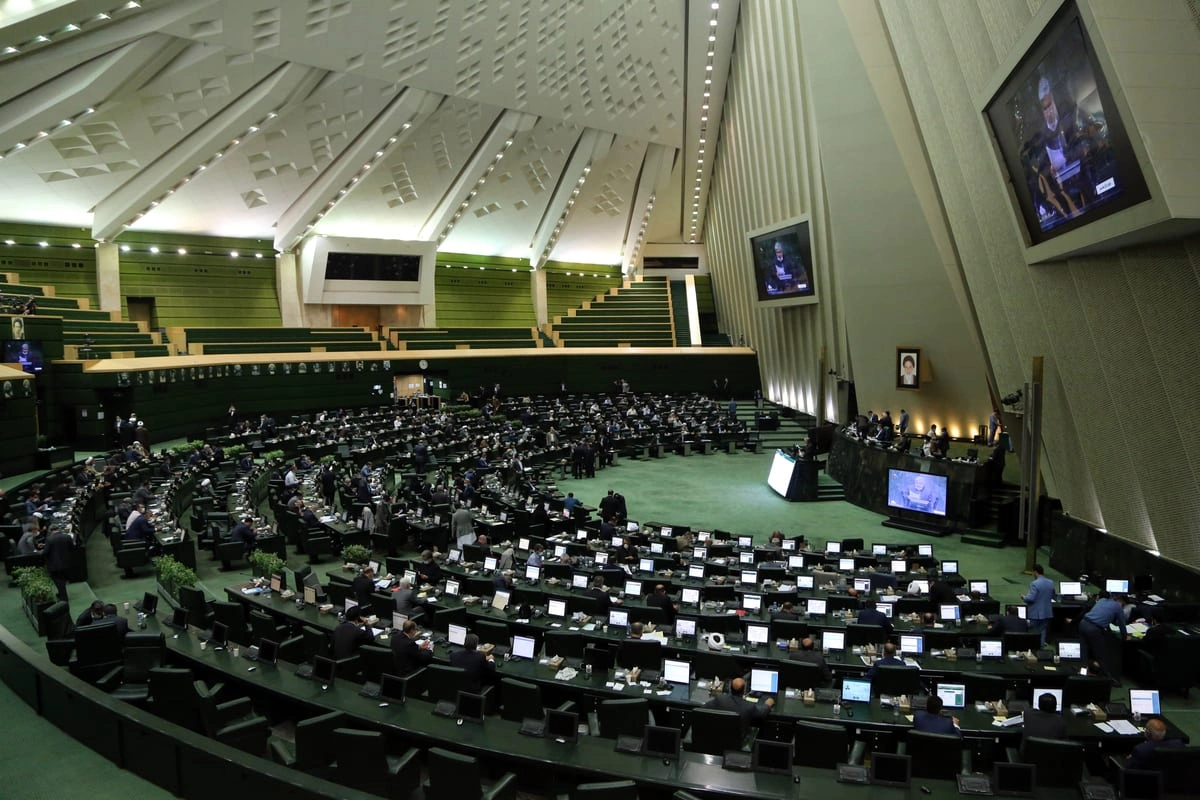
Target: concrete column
x=537, y=290
x=287, y=290
x=693, y=307
x=108, y=276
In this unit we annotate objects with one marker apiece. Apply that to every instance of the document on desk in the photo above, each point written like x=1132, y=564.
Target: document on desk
x=912, y=662
x=1104, y=726
x=1123, y=727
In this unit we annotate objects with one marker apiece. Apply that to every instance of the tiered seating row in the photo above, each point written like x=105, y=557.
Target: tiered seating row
x=637, y=315
x=462, y=338
x=226, y=341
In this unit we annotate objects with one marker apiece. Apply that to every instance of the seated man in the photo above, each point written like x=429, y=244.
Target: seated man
x=350, y=635
x=142, y=529
x=428, y=570
x=362, y=587
x=244, y=534
x=93, y=613
x=931, y=720
x=407, y=653
x=1044, y=722
x=736, y=702
x=1010, y=622
x=889, y=660
x=809, y=653
x=1142, y=756
x=474, y=663
x=873, y=616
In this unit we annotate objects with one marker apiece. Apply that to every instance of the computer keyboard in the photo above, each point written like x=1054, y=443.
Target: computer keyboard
x=852, y=773
x=737, y=759
x=974, y=784
x=533, y=727
x=304, y=671
x=445, y=708
x=827, y=695
x=629, y=744
x=369, y=689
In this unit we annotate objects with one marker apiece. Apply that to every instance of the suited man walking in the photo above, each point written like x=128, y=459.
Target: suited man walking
x=58, y=560
x=1041, y=593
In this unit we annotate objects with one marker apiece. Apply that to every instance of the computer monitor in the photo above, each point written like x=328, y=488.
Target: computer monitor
x=646, y=565
x=631, y=527
x=471, y=707
x=220, y=634
x=890, y=769
x=581, y=535
x=816, y=605
x=758, y=634
x=696, y=571
x=324, y=670
x=765, y=681
x=452, y=587
x=804, y=581
x=601, y=558
x=752, y=602
x=746, y=557
x=1070, y=588
x=556, y=608
x=699, y=553
x=562, y=726
x=748, y=577
x=1058, y=698
x=948, y=613
x=656, y=548
x=862, y=584
x=685, y=627
x=490, y=563
x=689, y=596
x=991, y=648
x=885, y=608
x=618, y=618
x=560, y=551
x=1142, y=784
x=524, y=647
x=1022, y=611
x=788, y=544
x=410, y=575
x=1070, y=650
x=456, y=634
x=845, y=565
x=454, y=556
x=665, y=530
x=833, y=640
x=268, y=651
x=977, y=586
x=150, y=603
x=949, y=567
x=523, y=543
x=795, y=562
x=393, y=688
x=500, y=599
x=661, y=742
x=676, y=671
x=879, y=549
x=745, y=541
x=855, y=690
x=833, y=547
x=953, y=695
x=278, y=582
x=398, y=620
x=925, y=550
x=1116, y=585
x=899, y=566
x=633, y=588
x=1144, y=701
x=310, y=596
x=1014, y=780
x=912, y=643
x=703, y=536
x=532, y=573
x=579, y=581
x=918, y=587
x=375, y=566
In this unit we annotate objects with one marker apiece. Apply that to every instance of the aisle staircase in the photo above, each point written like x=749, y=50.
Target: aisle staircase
x=636, y=314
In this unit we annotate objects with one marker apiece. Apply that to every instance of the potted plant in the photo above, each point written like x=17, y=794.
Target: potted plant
x=38, y=593
x=265, y=564
x=356, y=554
x=172, y=575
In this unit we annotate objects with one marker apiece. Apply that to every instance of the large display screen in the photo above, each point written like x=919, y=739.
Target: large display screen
x=372, y=267
x=1062, y=141
x=783, y=266
x=26, y=353
x=780, y=476
x=916, y=491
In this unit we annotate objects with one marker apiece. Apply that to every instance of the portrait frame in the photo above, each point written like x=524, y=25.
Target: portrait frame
x=904, y=379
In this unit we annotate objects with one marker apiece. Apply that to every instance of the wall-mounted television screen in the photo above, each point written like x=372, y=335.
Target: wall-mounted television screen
x=1060, y=137
x=783, y=264
x=372, y=267
x=26, y=353
x=916, y=491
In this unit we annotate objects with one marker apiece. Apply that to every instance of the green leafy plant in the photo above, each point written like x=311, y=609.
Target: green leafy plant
x=235, y=450
x=271, y=455
x=172, y=574
x=266, y=564
x=35, y=585
x=356, y=554
x=330, y=458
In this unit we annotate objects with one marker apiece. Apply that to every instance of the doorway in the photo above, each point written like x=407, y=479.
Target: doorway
x=142, y=309
x=350, y=316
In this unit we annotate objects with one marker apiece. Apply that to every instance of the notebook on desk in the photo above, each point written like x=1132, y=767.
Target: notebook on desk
x=629, y=744
x=445, y=708
x=974, y=784
x=739, y=760
x=853, y=773
x=533, y=727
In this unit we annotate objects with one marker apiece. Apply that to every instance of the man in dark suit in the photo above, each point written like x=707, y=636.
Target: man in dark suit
x=408, y=654
x=604, y=598
x=1142, y=756
x=58, y=560
x=931, y=720
x=244, y=534
x=1043, y=722
x=788, y=611
x=94, y=613
x=809, y=653
x=873, y=616
x=627, y=553
x=362, y=587
x=660, y=599
x=889, y=660
x=351, y=634
x=428, y=570
x=141, y=529
x=736, y=702
x=474, y=663
x=1010, y=622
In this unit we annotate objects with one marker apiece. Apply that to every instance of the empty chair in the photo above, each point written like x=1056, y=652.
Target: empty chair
x=216, y=716
x=313, y=748
x=1059, y=763
x=607, y=790
x=97, y=651
x=143, y=653
x=363, y=763
x=896, y=680
x=1180, y=767
x=292, y=650
x=494, y=633
x=458, y=776
x=984, y=688
x=233, y=617
x=520, y=700
x=800, y=674
x=934, y=755
x=57, y=618
x=857, y=634
x=227, y=552
x=316, y=643
x=263, y=626
x=600, y=656
x=248, y=735
x=130, y=557
x=715, y=731
x=821, y=745
x=1079, y=690
x=374, y=661
x=622, y=717
x=1022, y=642
x=173, y=696
x=199, y=613
x=563, y=643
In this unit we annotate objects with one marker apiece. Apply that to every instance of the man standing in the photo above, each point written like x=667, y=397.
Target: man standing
x=58, y=560
x=1103, y=652
x=1039, y=611
x=993, y=426
x=903, y=422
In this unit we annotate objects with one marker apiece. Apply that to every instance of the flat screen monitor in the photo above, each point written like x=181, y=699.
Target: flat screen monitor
x=885, y=608
x=949, y=567
x=581, y=535
x=991, y=648
x=268, y=651
x=324, y=670
x=783, y=264
x=601, y=558
x=816, y=605
x=656, y=548
x=758, y=634
x=1058, y=698
x=524, y=647
x=665, y=530
x=925, y=550
x=490, y=562
x=745, y=541
x=977, y=586
x=676, y=671
x=1070, y=588
x=523, y=543
x=646, y=564
x=661, y=742
x=616, y=541
x=618, y=618
x=25, y=353
x=856, y=690
x=890, y=769
x=912, y=643
x=633, y=588
x=918, y=587
x=500, y=600
x=1060, y=137
x=788, y=544
x=795, y=562
x=532, y=573
x=556, y=608
x=471, y=706
x=1142, y=784
x=1014, y=780
x=690, y=596
x=562, y=726
x=454, y=556
x=752, y=602
x=833, y=547
x=398, y=620
x=703, y=536
x=772, y=757
x=833, y=640
x=1144, y=701
x=456, y=634
x=1070, y=650
x=917, y=491
x=948, y=613
x=804, y=581
x=899, y=566
x=696, y=571
x=1116, y=585
x=748, y=577
x=579, y=581
x=765, y=681
x=560, y=551
x=220, y=634
x=746, y=557
x=879, y=549
x=375, y=566
x=411, y=576
x=699, y=553
x=780, y=476
x=953, y=695
x=862, y=584
x=393, y=688
x=685, y=627
x=452, y=587
x=845, y=565
x=150, y=603
x=1022, y=611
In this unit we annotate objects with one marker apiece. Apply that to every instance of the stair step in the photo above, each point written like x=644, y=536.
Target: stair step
x=982, y=541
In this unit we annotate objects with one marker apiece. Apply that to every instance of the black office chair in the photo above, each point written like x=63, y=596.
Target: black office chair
x=130, y=557
x=622, y=717
x=199, y=613
x=57, y=618
x=1059, y=763
x=248, y=735
x=131, y=681
x=608, y=790
x=458, y=776
x=442, y=682
x=600, y=656
x=98, y=648
x=849, y=545
x=60, y=651
x=520, y=700
x=216, y=716
x=800, y=675
x=227, y=552
x=292, y=650
x=173, y=696
x=857, y=635
x=1022, y=642
x=789, y=629
x=1079, y=690
x=714, y=731
x=936, y=755
x=896, y=680
x=313, y=749
x=233, y=617
x=1180, y=767
x=563, y=643
x=263, y=626
x=375, y=661
x=984, y=688
x=495, y=633
x=316, y=643
x=363, y=763
x=821, y=745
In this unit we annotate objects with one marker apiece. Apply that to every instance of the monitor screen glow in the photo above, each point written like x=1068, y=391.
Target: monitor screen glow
x=912, y=643
x=817, y=605
x=618, y=618
x=758, y=634
x=917, y=491
x=696, y=571
x=699, y=553
x=490, y=562
x=656, y=548
x=676, y=671
x=925, y=550
x=646, y=565
x=524, y=647
x=954, y=695
x=764, y=680
x=833, y=640
x=579, y=581
x=746, y=557
x=978, y=586
x=1070, y=650
x=780, y=476
x=833, y=547
x=804, y=581
x=1116, y=585
x=685, y=627
x=752, y=602
x=856, y=690
x=788, y=544
x=601, y=558
x=532, y=573
x=452, y=588
x=748, y=577
x=991, y=648
x=795, y=562
x=899, y=566
x=456, y=634
x=556, y=608
x=1144, y=701
x=845, y=565
x=633, y=588
x=948, y=613
x=690, y=596
x=745, y=541
x=523, y=543
x=862, y=584
x=1070, y=588
x=949, y=567
x=783, y=265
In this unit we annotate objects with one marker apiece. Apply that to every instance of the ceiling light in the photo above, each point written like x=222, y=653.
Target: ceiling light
x=181, y=251
x=43, y=244
x=708, y=67
x=10, y=50
x=72, y=27
x=42, y=38
x=258, y=255
x=124, y=248
x=712, y=23
x=154, y=250
x=233, y=253
x=75, y=245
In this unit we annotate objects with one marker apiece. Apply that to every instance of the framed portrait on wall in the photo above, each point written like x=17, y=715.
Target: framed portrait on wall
x=908, y=368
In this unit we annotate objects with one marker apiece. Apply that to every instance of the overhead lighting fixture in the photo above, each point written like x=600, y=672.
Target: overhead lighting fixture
x=154, y=250
x=181, y=251
x=75, y=245
x=124, y=248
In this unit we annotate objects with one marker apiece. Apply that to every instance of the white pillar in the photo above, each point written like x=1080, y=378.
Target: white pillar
x=108, y=276
x=537, y=290
x=287, y=290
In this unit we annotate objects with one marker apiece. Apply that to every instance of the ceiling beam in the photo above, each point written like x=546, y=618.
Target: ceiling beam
x=652, y=179
x=591, y=146
x=207, y=142
x=402, y=115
